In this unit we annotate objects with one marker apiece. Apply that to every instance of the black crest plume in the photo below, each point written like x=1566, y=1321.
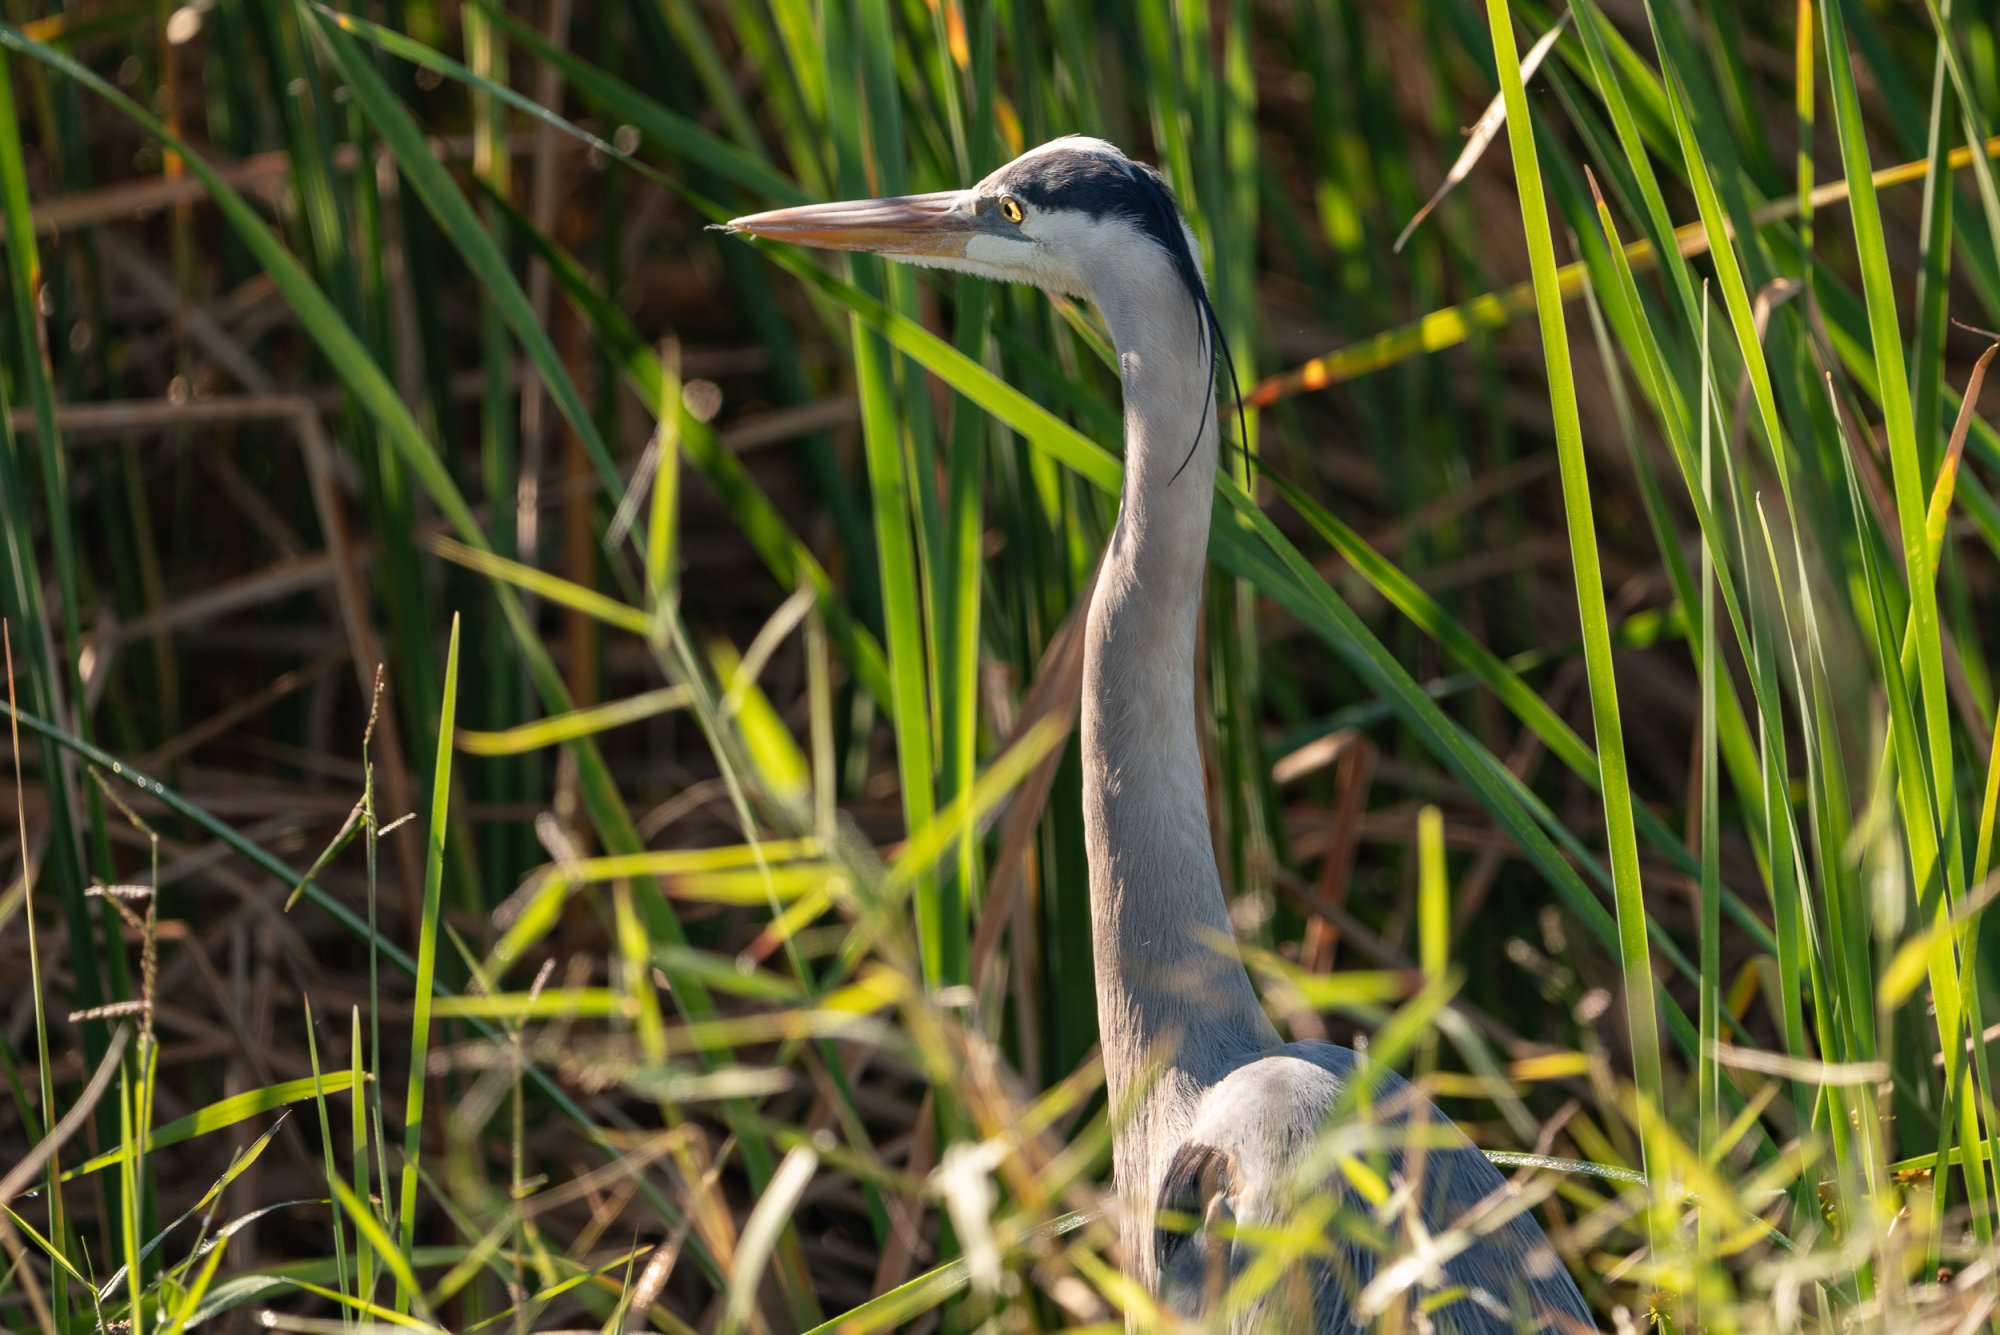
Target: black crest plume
x=1105, y=186
x=1160, y=219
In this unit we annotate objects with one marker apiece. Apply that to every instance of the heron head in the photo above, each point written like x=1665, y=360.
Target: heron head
x=1067, y=216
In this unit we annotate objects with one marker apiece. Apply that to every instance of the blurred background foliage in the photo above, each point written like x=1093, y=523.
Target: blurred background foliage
x=734, y=971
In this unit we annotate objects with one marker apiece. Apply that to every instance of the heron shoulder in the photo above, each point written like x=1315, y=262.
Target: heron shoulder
x=1292, y=1132
x=1288, y=1117
x=1297, y=1087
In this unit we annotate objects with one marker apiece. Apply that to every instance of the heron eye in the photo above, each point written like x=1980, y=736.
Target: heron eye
x=1010, y=208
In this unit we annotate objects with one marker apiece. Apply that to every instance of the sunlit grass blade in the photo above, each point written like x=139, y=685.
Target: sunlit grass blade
x=379, y=1241
x=1708, y=1076
x=1635, y=959
x=1892, y=388
x=326, y=1144
x=222, y=1113
x=576, y=723
x=427, y=938
x=780, y=767
x=570, y=594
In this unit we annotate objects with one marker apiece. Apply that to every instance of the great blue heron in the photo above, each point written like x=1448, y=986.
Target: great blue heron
x=1218, y=1144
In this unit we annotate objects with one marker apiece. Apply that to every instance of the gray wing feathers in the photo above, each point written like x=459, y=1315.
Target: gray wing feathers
x=1266, y=1150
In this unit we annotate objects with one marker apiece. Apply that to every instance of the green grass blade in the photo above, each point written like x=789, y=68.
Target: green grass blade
x=1635, y=959
x=420, y=1020
x=215, y=1116
x=1707, y=1073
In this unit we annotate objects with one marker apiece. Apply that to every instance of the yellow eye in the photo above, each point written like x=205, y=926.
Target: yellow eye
x=1010, y=208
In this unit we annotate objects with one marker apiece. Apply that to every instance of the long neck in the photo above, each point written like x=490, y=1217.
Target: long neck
x=1175, y=1013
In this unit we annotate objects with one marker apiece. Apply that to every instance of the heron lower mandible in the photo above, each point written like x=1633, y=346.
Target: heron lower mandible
x=1220, y=1142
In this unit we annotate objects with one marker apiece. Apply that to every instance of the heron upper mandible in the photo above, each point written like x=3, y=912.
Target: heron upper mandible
x=1221, y=1142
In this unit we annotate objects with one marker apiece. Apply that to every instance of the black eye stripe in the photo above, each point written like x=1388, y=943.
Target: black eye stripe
x=1100, y=186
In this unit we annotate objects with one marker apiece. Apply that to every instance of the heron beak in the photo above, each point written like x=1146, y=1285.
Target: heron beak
x=905, y=227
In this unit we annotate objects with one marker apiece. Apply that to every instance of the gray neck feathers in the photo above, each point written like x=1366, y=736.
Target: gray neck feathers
x=1174, y=1013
